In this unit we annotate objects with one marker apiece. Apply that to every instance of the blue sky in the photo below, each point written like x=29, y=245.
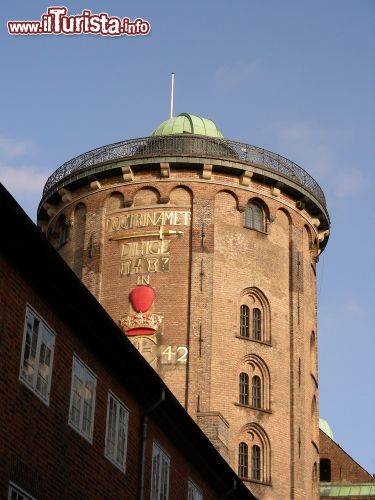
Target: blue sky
x=296, y=77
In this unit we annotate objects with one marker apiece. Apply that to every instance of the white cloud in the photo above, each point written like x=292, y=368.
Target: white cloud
x=313, y=145
x=14, y=148
x=350, y=183
x=317, y=149
x=354, y=308
x=22, y=178
x=235, y=74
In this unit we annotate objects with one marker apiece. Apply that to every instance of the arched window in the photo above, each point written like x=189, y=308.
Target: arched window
x=315, y=480
x=325, y=470
x=244, y=321
x=244, y=389
x=255, y=316
x=254, y=218
x=79, y=236
x=255, y=463
x=256, y=384
x=114, y=201
x=313, y=352
x=256, y=392
x=314, y=421
x=62, y=230
x=243, y=469
x=257, y=324
x=254, y=440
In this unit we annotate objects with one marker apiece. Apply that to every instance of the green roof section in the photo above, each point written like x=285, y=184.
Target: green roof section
x=347, y=490
x=325, y=427
x=186, y=123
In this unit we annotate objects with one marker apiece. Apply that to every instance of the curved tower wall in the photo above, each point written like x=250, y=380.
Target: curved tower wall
x=179, y=225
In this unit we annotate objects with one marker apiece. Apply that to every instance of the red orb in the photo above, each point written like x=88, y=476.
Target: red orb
x=142, y=298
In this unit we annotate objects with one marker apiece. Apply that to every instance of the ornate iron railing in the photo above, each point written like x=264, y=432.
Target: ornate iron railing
x=189, y=145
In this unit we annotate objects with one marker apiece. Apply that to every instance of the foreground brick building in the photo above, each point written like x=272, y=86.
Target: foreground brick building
x=83, y=415
x=228, y=236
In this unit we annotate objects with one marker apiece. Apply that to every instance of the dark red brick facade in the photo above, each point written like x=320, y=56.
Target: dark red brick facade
x=343, y=469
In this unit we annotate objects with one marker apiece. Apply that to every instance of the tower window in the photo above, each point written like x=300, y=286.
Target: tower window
x=244, y=321
x=254, y=218
x=257, y=324
x=244, y=389
x=255, y=463
x=243, y=460
x=325, y=470
x=256, y=395
x=254, y=449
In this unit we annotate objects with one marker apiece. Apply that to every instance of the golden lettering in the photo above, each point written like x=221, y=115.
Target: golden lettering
x=141, y=248
x=154, y=247
x=147, y=219
x=143, y=279
x=165, y=246
x=164, y=264
x=159, y=219
x=178, y=218
x=152, y=265
x=115, y=224
x=150, y=219
x=125, y=249
x=186, y=218
x=125, y=267
x=168, y=218
x=141, y=265
x=124, y=222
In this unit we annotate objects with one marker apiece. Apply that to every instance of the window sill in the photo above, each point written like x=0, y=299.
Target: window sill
x=248, y=480
x=253, y=340
x=88, y=438
x=263, y=410
x=117, y=465
x=261, y=231
x=32, y=389
x=62, y=244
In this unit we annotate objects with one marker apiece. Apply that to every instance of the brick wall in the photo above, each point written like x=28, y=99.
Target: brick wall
x=39, y=451
x=344, y=469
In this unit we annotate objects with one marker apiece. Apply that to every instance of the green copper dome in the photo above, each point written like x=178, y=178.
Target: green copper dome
x=185, y=123
x=325, y=427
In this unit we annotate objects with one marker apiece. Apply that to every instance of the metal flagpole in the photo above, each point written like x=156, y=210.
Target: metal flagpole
x=172, y=92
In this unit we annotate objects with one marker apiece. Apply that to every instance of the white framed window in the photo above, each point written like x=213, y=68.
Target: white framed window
x=116, y=435
x=16, y=493
x=37, y=355
x=194, y=493
x=159, y=474
x=82, y=399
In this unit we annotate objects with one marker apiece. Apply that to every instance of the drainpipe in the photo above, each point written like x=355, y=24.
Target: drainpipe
x=144, y=443
x=232, y=490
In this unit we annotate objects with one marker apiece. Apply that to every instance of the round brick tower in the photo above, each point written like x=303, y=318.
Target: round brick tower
x=227, y=235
